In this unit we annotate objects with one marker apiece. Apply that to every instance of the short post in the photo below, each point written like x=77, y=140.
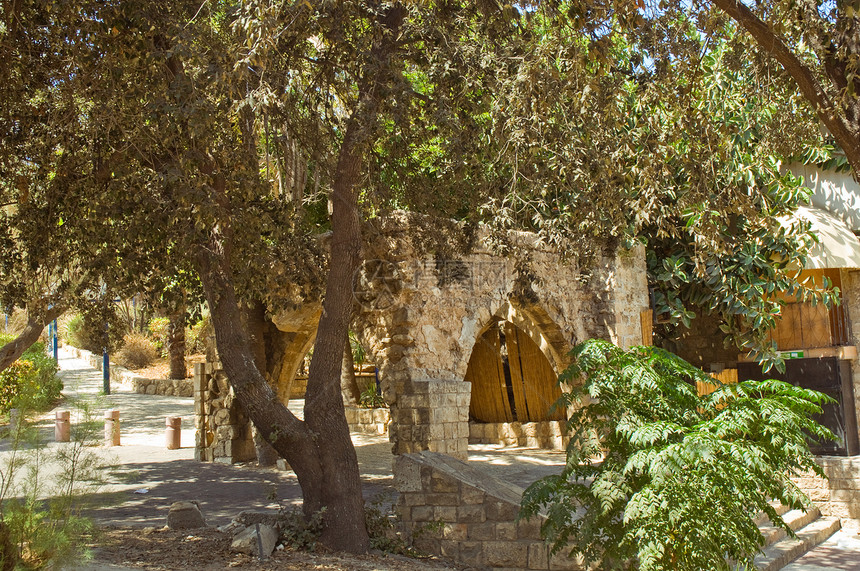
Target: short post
x=14, y=420
x=62, y=426
x=112, y=427
x=173, y=432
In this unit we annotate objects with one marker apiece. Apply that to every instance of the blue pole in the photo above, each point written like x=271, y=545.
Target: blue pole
x=56, y=345
x=106, y=364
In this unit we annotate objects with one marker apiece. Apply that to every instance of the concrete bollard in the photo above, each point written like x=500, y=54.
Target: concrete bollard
x=62, y=426
x=112, y=427
x=173, y=432
x=14, y=420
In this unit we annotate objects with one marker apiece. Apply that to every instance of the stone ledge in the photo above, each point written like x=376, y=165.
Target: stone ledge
x=140, y=385
x=453, y=509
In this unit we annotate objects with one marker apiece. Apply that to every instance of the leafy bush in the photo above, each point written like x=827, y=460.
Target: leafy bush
x=35, y=532
x=87, y=331
x=31, y=382
x=159, y=327
x=196, y=336
x=658, y=477
x=370, y=398
x=138, y=351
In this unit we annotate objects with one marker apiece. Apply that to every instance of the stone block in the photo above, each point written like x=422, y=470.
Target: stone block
x=450, y=548
x=506, y=530
x=472, y=553
x=425, y=544
x=442, y=484
x=501, y=511
x=471, y=514
x=422, y=513
x=506, y=554
x=248, y=540
x=455, y=531
x=485, y=531
x=529, y=529
x=150, y=389
x=445, y=513
x=471, y=495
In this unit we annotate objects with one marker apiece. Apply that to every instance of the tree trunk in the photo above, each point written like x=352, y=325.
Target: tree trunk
x=348, y=384
x=11, y=351
x=319, y=449
x=255, y=325
x=176, y=345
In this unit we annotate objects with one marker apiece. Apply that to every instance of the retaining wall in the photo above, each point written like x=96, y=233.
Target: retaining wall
x=455, y=510
x=140, y=385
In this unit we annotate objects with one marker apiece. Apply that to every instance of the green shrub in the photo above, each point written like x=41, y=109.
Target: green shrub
x=87, y=331
x=370, y=398
x=138, y=351
x=196, y=336
x=31, y=382
x=659, y=478
x=159, y=327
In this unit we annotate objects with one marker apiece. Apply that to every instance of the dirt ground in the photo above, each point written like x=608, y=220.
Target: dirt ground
x=207, y=549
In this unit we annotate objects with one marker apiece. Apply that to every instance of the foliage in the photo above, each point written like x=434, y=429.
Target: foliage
x=370, y=398
x=159, y=327
x=660, y=478
x=48, y=533
x=30, y=382
x=297, y=531
x=196, y=336
x=137, y=352
x=90, y=329
x=380, y=521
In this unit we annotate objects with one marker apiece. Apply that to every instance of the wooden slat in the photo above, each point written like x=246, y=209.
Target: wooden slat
x=512, y=344
x=727, y=377
x=646, y=318
x=532, y=369
x=489, y=402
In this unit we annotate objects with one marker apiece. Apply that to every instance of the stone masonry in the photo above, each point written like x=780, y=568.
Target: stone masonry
x=418, y=315
x=452, y=509
x=223, y=430
x=838, y=495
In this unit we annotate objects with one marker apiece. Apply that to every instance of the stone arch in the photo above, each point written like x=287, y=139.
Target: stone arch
x=514, y=365
x=298, y=333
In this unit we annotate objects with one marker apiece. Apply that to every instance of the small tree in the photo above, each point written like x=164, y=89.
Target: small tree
x=658, y=477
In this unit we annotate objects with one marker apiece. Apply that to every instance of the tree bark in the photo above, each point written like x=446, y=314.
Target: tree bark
x=176, y=345
x=12, y=351
x=847, y=135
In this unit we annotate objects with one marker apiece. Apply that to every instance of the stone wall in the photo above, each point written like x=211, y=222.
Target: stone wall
x=223, y=430
x=838, y=495
x=140, y=385
x=452, y=509
x=367, y=420
x=549, y=434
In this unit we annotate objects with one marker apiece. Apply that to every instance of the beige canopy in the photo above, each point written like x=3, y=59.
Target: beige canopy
x=837, y=246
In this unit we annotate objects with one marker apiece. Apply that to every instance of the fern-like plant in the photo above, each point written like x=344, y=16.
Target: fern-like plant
x=658, y=477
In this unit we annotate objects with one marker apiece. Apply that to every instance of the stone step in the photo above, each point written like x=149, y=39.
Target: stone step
x=761, y=519
x=796, y=519
x=785, y=551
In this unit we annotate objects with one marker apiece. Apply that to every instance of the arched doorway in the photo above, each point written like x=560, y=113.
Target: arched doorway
x=512, y=380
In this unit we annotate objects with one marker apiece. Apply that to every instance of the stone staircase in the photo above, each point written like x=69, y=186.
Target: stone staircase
x=779, y=549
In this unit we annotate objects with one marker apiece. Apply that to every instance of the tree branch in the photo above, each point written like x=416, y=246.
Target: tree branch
x=846, y=135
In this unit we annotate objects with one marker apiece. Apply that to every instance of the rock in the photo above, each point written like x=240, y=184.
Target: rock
x=185, y=515
x=246, y=540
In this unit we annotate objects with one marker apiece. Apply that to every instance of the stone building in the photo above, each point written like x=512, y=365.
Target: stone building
x=466, y=345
